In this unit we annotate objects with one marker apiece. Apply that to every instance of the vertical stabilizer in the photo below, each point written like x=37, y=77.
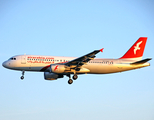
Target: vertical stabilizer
x=136, y=51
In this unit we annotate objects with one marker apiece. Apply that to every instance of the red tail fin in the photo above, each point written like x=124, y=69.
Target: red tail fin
x=136, y=51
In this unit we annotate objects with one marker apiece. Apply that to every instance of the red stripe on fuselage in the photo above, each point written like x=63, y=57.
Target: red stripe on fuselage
x=45, y=68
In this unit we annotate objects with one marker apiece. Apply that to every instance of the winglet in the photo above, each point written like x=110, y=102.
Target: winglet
x=101, y=49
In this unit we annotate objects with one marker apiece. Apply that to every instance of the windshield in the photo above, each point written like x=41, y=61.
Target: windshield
x=12, y=58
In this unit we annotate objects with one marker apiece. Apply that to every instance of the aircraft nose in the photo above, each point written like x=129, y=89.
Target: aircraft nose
x=5, y=64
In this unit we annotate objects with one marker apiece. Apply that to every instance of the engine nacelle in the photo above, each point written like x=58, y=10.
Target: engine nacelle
x=57, y=68
x=52, y=76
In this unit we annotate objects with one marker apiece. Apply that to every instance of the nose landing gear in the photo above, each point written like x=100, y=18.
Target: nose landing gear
x=22, y=77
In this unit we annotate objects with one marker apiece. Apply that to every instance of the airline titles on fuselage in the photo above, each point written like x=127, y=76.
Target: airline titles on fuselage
x=46, y=60
x=51, y=60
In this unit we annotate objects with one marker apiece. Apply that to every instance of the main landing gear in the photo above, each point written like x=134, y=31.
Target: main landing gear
x=75, y=77
x=22, y=77
x=70, y=81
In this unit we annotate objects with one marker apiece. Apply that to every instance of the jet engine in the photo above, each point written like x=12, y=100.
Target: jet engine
x=57, y=68
x=52, y=76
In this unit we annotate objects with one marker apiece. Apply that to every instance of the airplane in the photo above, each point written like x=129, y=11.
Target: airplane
x=55, y=67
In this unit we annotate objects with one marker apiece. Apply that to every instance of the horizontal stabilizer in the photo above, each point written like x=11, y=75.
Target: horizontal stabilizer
x=141, y=62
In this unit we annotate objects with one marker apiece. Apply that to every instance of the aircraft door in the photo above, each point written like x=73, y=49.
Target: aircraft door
x=23, y=59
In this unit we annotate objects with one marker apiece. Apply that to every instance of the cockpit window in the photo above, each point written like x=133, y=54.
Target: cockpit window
x=12, y=58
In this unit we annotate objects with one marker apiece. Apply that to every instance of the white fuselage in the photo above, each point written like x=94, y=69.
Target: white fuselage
x=55, y=67
x=95, y=66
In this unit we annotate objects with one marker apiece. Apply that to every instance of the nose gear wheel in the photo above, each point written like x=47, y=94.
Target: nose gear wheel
x=22, y=77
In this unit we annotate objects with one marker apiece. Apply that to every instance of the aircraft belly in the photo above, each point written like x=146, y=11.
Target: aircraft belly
x=29, y=67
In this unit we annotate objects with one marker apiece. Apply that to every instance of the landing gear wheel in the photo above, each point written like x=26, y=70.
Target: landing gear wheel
x=75, y=77
x=70, y=81
x=22, y=77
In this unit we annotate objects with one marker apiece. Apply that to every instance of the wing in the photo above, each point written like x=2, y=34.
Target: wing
x=78, y=62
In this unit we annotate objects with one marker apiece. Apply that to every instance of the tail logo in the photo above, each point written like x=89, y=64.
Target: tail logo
x=137, y=47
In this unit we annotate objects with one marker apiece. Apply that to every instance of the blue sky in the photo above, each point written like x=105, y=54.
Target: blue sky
x=75, y=28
